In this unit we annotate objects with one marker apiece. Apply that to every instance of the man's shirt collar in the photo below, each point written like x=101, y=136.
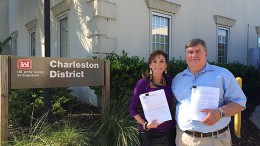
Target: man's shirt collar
x=208, y=67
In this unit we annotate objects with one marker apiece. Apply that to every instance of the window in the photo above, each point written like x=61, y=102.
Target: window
x=32, y=44
x=161, y=32
x=223, y=38
x=63, y=37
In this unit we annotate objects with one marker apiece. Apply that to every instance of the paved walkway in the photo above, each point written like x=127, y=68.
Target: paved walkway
x=255, y=117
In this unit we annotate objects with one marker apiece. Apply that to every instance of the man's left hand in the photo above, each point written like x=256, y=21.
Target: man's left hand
x=212, y=117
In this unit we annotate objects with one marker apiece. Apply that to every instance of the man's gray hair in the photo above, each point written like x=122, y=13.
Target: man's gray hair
x=195, y=42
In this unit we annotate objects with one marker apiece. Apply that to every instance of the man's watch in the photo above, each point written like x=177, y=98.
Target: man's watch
x=222, y=113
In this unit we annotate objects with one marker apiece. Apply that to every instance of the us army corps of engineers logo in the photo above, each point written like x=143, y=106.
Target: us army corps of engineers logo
x=24, y=64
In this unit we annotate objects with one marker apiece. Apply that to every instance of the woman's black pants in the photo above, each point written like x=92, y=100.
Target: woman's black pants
x=148, y=138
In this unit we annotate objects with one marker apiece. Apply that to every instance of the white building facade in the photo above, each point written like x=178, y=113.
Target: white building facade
x=85, y=28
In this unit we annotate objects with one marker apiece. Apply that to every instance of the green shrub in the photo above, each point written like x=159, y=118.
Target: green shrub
x=26, y=105
x=250, y=77
x=176, y=66
x=124, y=72
x=23, y=104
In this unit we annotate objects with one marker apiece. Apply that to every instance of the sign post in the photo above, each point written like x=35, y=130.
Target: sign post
x=4, y=98
x=105, y=101
x=20, y=72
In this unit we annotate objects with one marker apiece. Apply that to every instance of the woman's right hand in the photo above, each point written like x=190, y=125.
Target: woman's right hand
x=153, y=124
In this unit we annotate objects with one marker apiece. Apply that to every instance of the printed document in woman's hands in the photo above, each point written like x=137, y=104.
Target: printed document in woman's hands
x=203, y=97
x=155, y=106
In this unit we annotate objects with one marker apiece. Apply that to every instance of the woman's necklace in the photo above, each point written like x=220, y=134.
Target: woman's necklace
x=158, y=85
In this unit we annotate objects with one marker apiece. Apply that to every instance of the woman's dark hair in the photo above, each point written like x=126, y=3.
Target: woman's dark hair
x=151, y=58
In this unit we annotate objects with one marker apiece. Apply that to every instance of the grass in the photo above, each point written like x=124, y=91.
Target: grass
x=118, y=129
x=64, y=136
x=43, y=134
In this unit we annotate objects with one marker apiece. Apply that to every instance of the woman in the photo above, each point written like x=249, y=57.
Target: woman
x=155, y=78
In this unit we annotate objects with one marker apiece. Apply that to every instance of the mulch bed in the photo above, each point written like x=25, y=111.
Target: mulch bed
x=250, y=134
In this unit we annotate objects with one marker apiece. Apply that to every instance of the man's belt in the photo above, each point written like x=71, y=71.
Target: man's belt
x=210, y=134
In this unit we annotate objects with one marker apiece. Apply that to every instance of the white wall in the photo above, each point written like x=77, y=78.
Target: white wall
x=132, y=27
x=4, y=19
x=79, y=44
x=252, y=16
x=20, y=13
x=195, y=19
x=4, y=22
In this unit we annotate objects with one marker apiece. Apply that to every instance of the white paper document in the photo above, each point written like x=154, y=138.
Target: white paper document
x=203, y=97
x=155, y=106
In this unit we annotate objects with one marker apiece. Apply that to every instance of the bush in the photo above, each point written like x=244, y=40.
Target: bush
x=26, y=105
x=124, y=72
x=250, y=77
x=176, y=66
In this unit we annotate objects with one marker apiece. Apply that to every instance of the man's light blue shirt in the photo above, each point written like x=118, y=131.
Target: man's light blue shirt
x=211, y=76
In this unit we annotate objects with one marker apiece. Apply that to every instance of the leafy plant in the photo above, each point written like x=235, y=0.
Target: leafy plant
x=27, y=104
x=2, y=44
x=176, y=66
x=24, y=105
x=124, y=72
x=250, y=77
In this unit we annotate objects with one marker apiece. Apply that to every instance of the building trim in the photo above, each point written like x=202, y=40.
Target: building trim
x=103, y=44
x=102, y=8
x=97, y=26
x=32, y=24
x=61, y=7
x=163, y=5
x=102, y=12
x=220, y=20
x=14, y=34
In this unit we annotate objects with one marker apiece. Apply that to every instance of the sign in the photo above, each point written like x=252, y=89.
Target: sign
x=47, y=72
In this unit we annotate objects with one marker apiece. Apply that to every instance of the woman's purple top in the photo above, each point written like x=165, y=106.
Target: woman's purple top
x=141, y=87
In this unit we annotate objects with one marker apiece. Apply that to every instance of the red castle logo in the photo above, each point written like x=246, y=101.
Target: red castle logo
x=24, y=64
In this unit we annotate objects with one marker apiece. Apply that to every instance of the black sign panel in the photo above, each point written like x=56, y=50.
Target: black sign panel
x=47, y=72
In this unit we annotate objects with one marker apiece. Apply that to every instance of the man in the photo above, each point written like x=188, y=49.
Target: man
x=211, y=130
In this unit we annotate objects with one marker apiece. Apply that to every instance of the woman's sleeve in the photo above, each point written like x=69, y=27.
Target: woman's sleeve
x=135, y=100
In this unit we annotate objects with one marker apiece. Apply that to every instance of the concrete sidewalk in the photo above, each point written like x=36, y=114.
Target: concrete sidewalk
x=255, y=117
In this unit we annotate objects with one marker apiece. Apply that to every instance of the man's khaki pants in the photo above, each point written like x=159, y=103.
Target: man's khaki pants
x=184, y=139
